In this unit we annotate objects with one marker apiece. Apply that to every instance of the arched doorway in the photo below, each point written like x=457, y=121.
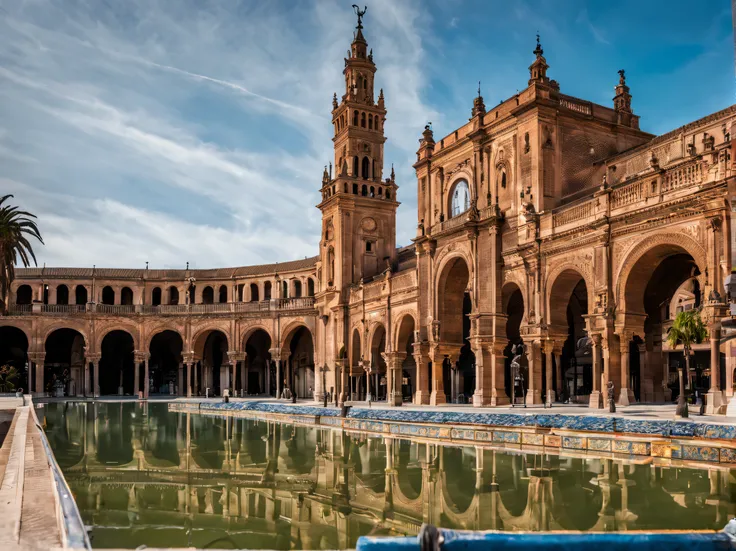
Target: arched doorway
x=14, y=353
x=405, y=344
x=515, y=384
x=212, y=369
x=301, y=363
x=165, y=372
x=568, y=303
x=257, y=375
x=64, y=362
x=454, y=307
x=654, y=284
x=376, y=380
x=117, y=365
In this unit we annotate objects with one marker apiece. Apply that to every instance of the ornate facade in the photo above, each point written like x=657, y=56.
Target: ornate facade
x=555, y=243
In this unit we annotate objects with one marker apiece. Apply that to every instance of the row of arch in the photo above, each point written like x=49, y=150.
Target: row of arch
x=360, y=119
x=363, y=190
x=169, y=296
x=160, y=366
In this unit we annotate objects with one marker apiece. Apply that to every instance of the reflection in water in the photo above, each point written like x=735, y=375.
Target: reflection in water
x=144, y=475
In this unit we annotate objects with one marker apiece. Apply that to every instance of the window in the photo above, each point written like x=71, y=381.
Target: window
x=362, y=120
x=367, y=246
x=253, y=292
x=460, y=198
x=267, y=291
x=355, y=166
x=370, y=122
x=223, y=293
x=156, y=296
x=310, y=287
x=24, y=295
x=284, y=289
x=355, y=118
x=241, y=287
x=108, y=295
x=80, y=294
x=366, y=168
x=126, y=296
x=173, y=295
x=297, y=288
x=208, y=295
x=62, y=294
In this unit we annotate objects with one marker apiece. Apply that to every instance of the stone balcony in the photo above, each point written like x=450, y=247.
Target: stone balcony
x=228, y=308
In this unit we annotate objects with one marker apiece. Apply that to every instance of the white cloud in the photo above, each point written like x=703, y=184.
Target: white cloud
x=189, y=131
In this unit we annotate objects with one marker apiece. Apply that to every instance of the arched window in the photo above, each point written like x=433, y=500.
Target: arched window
x=208, y=295
x=372, y=192
x=24, y=295
x=364, y=190
x=355, y=118
x=267, y=291
x=126, y=296
x=80, y=295
x=346, y=187
x=108, y=295
x=366, y=167
x=222, y=293
x=45, y=294
x=240, y=292
x=503, y=179
x=370, y=122
x=355, y=167
x=156, y=296
x=310, y=287
x=380, y=191
x=460, y=198
x=173, y=295
x=254, y=292
x=365, y=84
x=355, y=189
x=284, y=289
x=62, y=294
x=388, y=194
x=362, y=120
x=297, y=288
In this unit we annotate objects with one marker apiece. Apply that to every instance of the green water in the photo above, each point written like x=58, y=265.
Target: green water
x=144, y=475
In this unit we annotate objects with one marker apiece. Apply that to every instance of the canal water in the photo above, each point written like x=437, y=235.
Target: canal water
x=143, y=475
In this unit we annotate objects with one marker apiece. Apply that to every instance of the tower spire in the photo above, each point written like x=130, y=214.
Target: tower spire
x=622, y=100
x=538, y=69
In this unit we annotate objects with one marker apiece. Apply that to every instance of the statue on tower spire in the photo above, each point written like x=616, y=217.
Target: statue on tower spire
x=360, y=15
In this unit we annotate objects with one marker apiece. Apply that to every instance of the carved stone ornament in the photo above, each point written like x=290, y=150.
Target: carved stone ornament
x=368, y=224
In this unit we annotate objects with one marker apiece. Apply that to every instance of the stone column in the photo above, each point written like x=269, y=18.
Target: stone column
x=180, y=380
x=714, y=397
x=146, y=380
x=39, y=382
x=86, y=384
x=421, y=362
x=278, y=377
x=625, y=396
x=646, y=378
x=188, y=361
x=557, y=353
x=534, y=394
x=596, y=398
x=394, y=377
x=244, y=374
x=549, y=390
x=437, y=396
x=341, y=385
x=96, y=375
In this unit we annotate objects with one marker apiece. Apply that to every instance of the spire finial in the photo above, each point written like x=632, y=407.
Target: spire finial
x=622, y=76
x=479, y=88
x=538, y=51
x=360, y=15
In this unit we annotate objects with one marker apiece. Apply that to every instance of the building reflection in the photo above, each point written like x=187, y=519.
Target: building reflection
x=142, y=474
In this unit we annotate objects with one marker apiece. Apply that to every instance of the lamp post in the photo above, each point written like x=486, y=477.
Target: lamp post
x=324, y=369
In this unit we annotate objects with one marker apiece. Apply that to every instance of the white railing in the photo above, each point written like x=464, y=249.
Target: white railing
x=294, y=303
x=683, y=176
x=626, y=195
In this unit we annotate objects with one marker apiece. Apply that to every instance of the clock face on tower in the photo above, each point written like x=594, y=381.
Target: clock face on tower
x=368, y=224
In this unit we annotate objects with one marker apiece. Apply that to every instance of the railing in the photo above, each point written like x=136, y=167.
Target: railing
x=63, y=308
x=573, y=214
x=683, y=176
x=294, y=303
x=115, y=308
x=20, y=309
x=626, y=195
x=583, y=108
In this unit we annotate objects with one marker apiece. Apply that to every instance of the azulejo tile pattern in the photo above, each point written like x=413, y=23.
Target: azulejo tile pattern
x=532, y=429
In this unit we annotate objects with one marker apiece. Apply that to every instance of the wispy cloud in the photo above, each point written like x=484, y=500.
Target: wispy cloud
x=584, y=19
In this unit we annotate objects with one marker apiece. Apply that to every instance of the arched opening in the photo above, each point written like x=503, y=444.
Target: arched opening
x=377, y=380
x=64, y=363
x=208, y=295
x=241, y=292
x=80, y=295
x=126, y=296
x=362, y=120
x=355, y=391
x=165, y=372
x=254, y=292
x=267, y=290
x=117, y=365
x=459, y=198
x=372, y=192
x=365, y=168
x=24, y=295
x=405, y=344
x=45, y=294
x=364, y=190
x=568, y=303
x=661, y=281
x=310, y=287
x=370, y=122
x=297, y=288
x=62, y=294
x=212, y=370
x=515, y=384
x=355, y=167
x=173, y=295
x=284, y=289
x=222, y=294
x=455, y=305
x=355, y=118
x=14, y=352
x=301, y=363
x=257, y=375
x=156, y=296
x=108, y=295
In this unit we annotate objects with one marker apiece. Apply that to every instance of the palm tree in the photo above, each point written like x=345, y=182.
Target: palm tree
x=687, y=329
x=16, y=226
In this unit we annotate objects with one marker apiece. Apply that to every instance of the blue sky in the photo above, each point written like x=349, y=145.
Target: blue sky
x=194, y=130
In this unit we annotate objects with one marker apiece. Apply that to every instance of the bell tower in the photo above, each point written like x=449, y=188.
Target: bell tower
x=358, y=206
